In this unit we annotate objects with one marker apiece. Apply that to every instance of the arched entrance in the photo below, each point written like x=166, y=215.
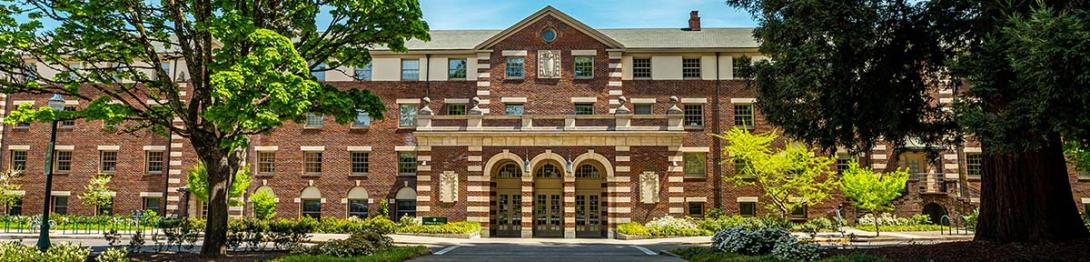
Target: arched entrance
x=936, y=212
x=588, y=200
x=548, y=200
x=507, y=207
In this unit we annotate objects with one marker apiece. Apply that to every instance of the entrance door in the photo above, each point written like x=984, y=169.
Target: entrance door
x=508, y=214
x=588, y=215
x=548, y=214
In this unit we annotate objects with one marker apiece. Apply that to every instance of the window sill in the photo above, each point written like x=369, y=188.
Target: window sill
x=406, y=174
x=695, y=178
x=59, y=173
x=584, y=78
x=312, y=127
x=363, y=175
x=312, y=174
x=265, y=174
x=641, y=78
x=701, y=127
x=153, y=173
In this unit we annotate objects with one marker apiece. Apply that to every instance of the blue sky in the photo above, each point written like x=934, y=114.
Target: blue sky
x=499, y=14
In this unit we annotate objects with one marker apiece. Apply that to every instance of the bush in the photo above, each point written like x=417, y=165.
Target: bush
x=887, y=219
x=363, y=243
x=113, y=255
x=633, y=229
x=762, y=241
x=264, y=204
x=14, y=251
x=970, y=219
x=906, y=228
x=463, y=227
x=668, y=226
x=789, y=248
x=395, y=253
x=719, y=224
x=921, y=219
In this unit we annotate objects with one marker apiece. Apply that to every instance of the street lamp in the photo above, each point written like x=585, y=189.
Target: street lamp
x=57, y=104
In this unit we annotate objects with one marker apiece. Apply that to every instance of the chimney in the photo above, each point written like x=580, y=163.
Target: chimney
x=694, y=20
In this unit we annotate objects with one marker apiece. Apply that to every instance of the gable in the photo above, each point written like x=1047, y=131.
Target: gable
x=547, y=17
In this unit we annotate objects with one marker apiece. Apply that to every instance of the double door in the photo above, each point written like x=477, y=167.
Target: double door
x=508, y=208
x=588, y=214
x=548, y=214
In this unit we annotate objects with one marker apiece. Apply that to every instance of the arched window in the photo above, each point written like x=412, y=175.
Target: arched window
x=587, y=171
x=509, y=170
x=311, y=199
x=357, y=202
x=548, y=171
x=406, y=203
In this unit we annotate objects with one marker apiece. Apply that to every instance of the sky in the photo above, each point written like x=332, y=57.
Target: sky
x=499, y=14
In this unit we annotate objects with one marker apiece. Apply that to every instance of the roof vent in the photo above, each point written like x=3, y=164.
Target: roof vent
x=694, y=20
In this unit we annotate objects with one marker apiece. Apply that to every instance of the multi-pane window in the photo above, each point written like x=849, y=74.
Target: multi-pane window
x=695, y=164
x=843, y=162
x=266, y=162
x=363, y=73
x=584, y=109
x=68, y=122
x=152, y=203
x=696, y=209
x=314, y=120
x=406, y=115
x=694, y=115
x=312, y=208
x=509, y=170
x=154, y=162
x=514, y=67
x=312, y=163
x=406, y=163
x=741, y=168
x=973, y=165
x=357, y=208
x=641, y=68
x=690, y=67
x=107, y=161
x=319, y=72
x=63, y=162
x=642, y=109
x=513, y=109
x=743, y=116
x=60, y=205
x=587, y=171
x=74, y=68
x=405, y=207
x=18, y=160
x=166, y=69
x=547, y=171
x=584, y=67
x=799, y=212
x=359, y=163
x=740, y=67
x=22, y=125
x=456, y=69
x=363, y=119
x=456, y=109
x=105, y=210
x=410, y=69
x=15, y=208
x=747, y=209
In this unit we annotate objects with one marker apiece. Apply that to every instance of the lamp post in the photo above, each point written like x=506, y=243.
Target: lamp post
x=57, y=104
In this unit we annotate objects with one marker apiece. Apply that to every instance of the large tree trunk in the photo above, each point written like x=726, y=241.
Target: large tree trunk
x=1026, y=197
x=220, y=168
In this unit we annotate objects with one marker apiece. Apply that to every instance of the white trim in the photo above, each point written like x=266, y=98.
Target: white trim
x=21, y=102
x=404, y=148
x=155, y=148
x=694, y=149
x=312, y=148
x=973, y=150
x=61, y=193
x=743, y=100
x=407, y=101
x=71, y=102
x=513, y=53
x=266, y=148
x=456, y=101
x=64, y=147
x=591, y=52
x=19, y=147
x=359, y=148
x=1086, y=200
x=586, y=99
x=151, y=194
x=109, y=148
x=747, y=199
x=644, y=100
x=694, y=100
x=696, y=199
x=513, y=100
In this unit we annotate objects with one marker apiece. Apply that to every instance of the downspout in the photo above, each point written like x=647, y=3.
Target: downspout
x=427, y=75
x=717, y=169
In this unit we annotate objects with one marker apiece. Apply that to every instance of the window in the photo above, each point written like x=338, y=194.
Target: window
x=584, y=67
x=202, y=209
x=747, y=209
x=549, y=35
x=410, y=69
x=743, y=116
x=359, y=163
x=22, y=125
x=15, y=208
x=456, y=109
x=513, y=109
x=68, y=123
x=587, y=171
x=107, y=161
x=641, y=68
x=105, y=210
x=740, y=67
x=314, y=120
x=166, y=68
x=696, y=209
x=154, y=162
x=319, y=72
x=73, y=71
x=514, y=68
x=456, y=69
x=406, y=163
x=405, y=207
x=60, y=205
x=690, y=68
x=63, y=163
x=843, y=162
x=18, y=160
x=30, y=72
x=547, y=171
x=312, y=163
x=695, y=165
x=799, y=212
x=973, y=165
x=266, y=162
x=642, y=109
x=363, y=119
x=357, y=208
x=363, y=73
x=584, y=109
x=312, y=208
x=152, y=203
x=509, y=170
x=694, y=115
x=406, y=115
x=741, y=168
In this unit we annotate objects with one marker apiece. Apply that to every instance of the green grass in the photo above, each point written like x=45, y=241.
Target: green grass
x=905, y=228
x=394, y=254
x=704, y=254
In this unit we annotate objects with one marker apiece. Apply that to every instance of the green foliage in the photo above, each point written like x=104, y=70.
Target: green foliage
x=264, y=204
x=8, y=186
x=97, y=192
x=790, y=178
x=718, y=224
x=393, y=254
x=362, y=243
x=383, y=208
x=869, y=191
x=197, y=181
x=633, y=229
x=906, y=228
x=62, y=252
x=1078, y=155
x=665, y=226
x=113, y=255
x=971, y=219
x=462, y=227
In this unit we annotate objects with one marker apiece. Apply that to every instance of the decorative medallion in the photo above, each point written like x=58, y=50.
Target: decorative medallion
x=548, y=64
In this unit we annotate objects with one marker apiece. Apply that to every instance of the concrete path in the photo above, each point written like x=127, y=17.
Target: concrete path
x=532, y=252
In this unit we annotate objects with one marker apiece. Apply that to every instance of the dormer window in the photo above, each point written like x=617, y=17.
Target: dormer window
x=549, y=35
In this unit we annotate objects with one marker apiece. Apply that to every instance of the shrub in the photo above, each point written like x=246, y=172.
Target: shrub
x=748, y=241
x=65, y=253
x=14, y=251
x=264, y=204
x=633, y=229
x=885, y=219
x=921, y=219
x=970, y=219
x=789, y=248
x=113, y=255
x=462, y=227
x=670, y=226
x=363, y=243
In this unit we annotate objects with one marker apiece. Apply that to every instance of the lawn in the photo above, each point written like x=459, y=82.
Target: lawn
x=705, y=254
x=394, y=254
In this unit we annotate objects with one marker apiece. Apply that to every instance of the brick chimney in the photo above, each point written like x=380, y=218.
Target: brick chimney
x=694, y=20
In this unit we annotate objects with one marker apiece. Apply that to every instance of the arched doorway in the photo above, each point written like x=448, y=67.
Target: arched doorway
x=548, y=200
x=405, y=203
x=936, y=212
x=588, y=201
x=507, y=207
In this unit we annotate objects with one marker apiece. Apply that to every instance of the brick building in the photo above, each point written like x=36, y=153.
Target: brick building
x=548, y=128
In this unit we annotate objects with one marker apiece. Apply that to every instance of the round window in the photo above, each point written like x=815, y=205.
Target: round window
x=548, y=35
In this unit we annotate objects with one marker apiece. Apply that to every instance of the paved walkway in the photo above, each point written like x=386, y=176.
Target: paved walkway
x=547, y=251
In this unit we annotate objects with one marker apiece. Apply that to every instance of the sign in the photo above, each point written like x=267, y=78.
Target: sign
x=434, y=221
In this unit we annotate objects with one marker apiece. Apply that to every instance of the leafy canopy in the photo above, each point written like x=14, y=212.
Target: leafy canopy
x=97, y=192
x=870, y=191
x=197, y=181
x=264, y=203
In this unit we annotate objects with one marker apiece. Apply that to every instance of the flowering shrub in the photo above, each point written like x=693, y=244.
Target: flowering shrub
x=790, y=248
x=665, y=226
x=113, y=255
x=14, y=251
x=762, y=241
x=725, y=222
x=363, y=243
x=885, y=219
x=462, y=227
x=633, y=229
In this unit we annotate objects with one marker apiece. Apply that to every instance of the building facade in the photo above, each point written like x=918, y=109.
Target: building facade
x=548, y=128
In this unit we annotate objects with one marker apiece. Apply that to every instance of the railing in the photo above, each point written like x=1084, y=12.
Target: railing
x=551, y=123
x=929, y=183
x=76, y=225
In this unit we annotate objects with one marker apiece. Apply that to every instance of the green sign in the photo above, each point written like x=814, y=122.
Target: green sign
x=435, y=220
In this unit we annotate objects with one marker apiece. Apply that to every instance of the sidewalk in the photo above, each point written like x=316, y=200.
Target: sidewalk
x=421, y=240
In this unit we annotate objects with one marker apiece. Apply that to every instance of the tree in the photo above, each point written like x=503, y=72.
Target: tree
x=197, y=179
x=8, y=187
x=850, y=73
x=872, y=192
x=97, y=193
x=793, y=177
x=264, y=204
x=248, y=65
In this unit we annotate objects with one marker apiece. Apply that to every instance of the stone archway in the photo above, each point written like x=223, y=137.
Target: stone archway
x=936, y=212
x=548, y=199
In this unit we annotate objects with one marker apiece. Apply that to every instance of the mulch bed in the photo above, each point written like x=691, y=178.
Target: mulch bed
x=979, y=251
x=193, y=257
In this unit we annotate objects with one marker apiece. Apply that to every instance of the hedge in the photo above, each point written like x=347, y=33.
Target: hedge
x=462, y=227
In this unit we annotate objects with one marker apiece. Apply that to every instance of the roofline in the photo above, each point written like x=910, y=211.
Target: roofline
x=550, y=10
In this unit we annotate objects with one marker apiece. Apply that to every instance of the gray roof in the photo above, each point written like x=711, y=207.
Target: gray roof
x=631, y=38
